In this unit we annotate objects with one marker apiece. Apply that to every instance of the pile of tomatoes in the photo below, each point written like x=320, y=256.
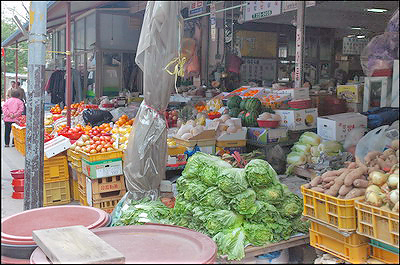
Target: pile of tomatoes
x=48, y=137
x=94, y=144
x=56, y=109
x=124, y=120
x=21, y=121
x=105, y=128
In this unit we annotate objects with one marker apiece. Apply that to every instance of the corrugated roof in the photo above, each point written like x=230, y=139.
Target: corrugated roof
x=10, y=40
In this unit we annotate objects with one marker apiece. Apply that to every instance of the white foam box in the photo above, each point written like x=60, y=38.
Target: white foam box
x=296, y=120
x=239, y=135
x=337, y=127
x=56, y=146
x=295, y=93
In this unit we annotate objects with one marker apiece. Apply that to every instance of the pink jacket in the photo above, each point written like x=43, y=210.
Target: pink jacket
x=13, y=106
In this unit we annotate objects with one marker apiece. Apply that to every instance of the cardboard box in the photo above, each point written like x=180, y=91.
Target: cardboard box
x=266, y=135
x=337, y=127
x=295, y=93
x=296, y=120
x=354, y=107
x=351, y=93
x=102, y=169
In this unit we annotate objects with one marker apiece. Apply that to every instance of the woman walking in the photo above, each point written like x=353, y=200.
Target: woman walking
x=12, y=110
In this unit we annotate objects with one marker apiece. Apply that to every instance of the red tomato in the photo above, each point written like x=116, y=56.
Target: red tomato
x=101, y=138
x=112, y=141
x=103, y=150
x=98, y=148
x=97, y=142
x=107, y=145
x=103, y=142
x=96, y=138
x=91, y=141
x=93, y=151
x=109, y=149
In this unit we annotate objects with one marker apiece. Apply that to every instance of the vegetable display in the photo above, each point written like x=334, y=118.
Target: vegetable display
x=358, y=178
x=220, y=201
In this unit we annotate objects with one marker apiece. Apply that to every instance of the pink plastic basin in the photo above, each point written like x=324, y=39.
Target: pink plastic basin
x=155, y=244
x=19, y=227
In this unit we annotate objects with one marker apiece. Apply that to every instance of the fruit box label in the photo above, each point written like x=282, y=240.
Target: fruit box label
x=102, y=170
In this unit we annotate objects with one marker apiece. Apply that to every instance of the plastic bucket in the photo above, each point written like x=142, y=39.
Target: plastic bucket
x=18, y=173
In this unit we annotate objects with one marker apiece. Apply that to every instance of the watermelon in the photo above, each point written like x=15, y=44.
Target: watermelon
x=243, y=104
x=234, y=102
x=241, y=116
x=234, y=112
x=250, y=119
x=253, y=104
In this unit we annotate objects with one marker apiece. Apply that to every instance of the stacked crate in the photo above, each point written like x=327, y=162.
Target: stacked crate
x=19, y=138
x=382, y=227
x=333, y=226
x=101, y=183
x=74, y=160
x=56, y=181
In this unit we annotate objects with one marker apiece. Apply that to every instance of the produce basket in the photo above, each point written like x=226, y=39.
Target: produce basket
x=377, y=223
x=268, y=124
x=383, y=254
x=339, y=213
x=101, y=156
x=354, y=249
x=18, y=173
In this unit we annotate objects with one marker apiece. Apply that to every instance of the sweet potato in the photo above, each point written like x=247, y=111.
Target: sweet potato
x=317, y=180
x=328, y=185
x=307, y=186
x=329, y=179
x=360, y=183
x=341, y=197
x=354, y=174
x=352, y=165
x=388, y=152
x=319, y=189
x=395, y=144
x=381, y=163
x=371, y=156
x=344, y=190
x=393, y=159
x=354, y=193
x=334, y=189
x=397, y=154
x=361, y=164
x=328, y=174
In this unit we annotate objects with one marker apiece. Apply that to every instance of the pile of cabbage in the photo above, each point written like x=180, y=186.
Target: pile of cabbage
x=311, y=150
x=234, y=206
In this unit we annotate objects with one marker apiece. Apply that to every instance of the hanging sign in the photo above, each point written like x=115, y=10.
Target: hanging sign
x=261, y=9
x=2, y=52
x=353, y=46
x=213, y=21
x=196, y=8
x=292, y=5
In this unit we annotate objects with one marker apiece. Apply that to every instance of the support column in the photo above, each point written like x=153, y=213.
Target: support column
x=68, y=64
x=33, y=185
x=299, y=70
x=16, y=61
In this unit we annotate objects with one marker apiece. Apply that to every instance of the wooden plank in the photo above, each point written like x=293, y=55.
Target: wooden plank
x=251, y=251
x=75, y=244
x=306, y=173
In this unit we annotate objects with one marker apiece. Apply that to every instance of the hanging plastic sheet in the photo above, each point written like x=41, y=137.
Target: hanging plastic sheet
x=146, y=153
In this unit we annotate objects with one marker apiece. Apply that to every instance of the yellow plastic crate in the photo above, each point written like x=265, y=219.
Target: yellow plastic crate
x=377, y=223
x=384, y=255
x=82, y=197
x=108, y=204
x=20, y=146
x=76, y=162
x=75, y=193
x=108, y=194
x=334, y=244
x=55, y=169
x=56, y=193
x=101, y=156
x=354, y=239
x=82, y=180
x=73, y=154
x=176, y=150
x=339, y=213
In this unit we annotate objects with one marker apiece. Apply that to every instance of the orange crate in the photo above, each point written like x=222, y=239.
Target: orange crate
x=377, y=223
x=74, y=190
x=56, y=193
x=338, y=213
x=384, y=255
x=108, y=204
x=55, y=169
x=336, y=244
x=82, y=180
x=108, y=184
x=101, y=156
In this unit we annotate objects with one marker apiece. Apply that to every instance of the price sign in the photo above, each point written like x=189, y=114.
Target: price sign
x=196, y=8
x=109, y=171
x=261, y=9
x=292, y=5
x=213, y=21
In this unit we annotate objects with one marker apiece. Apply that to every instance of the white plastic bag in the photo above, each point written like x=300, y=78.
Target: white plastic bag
x=375, y=140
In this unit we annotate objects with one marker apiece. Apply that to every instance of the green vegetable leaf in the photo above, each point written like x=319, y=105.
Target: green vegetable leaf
x=259, y=173
x=232, y=180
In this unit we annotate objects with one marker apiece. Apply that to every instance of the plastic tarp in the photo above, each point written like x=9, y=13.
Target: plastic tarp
x=146, y=153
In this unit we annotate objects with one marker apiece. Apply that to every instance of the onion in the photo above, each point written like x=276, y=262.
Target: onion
x=396, y=207
x=374, y=199
x=373, y=188
x=378, y=178
x=393, y=181
x=394, y=196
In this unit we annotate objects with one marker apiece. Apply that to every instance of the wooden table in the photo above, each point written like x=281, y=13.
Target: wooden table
x=251, y=251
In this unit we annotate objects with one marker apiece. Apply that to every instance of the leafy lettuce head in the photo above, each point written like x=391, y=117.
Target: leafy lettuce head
x=244, y=203
x=214, y=198
x=232, y=180
x=222, y=219
x=259, y=173
x=265, y=212
x=272, y=194
x=258, y=234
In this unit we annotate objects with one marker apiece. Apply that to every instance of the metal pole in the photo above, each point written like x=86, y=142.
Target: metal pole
x=16, y=61
x=68, y=64
x=33, y=185
x=299, y=71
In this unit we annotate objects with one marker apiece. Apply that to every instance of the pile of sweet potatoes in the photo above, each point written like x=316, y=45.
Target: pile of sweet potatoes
x=351, y=182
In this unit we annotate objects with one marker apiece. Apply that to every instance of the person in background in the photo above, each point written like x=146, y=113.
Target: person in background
x=13, y=87
x=21, y=95
x=12, y=109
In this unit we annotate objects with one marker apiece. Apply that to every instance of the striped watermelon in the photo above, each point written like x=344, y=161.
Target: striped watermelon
x=253, y=104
